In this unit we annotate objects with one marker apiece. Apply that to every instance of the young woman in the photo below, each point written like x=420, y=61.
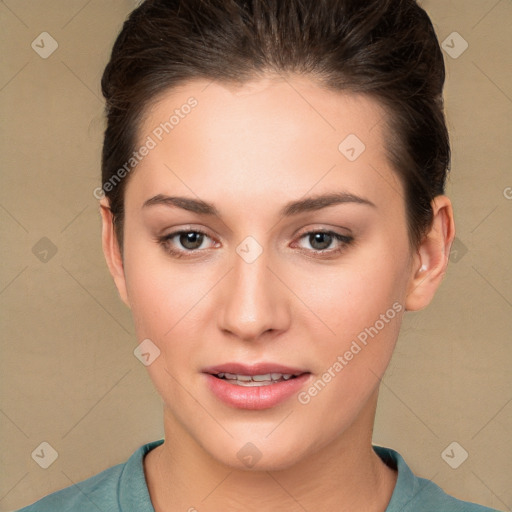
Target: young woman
x=272, y=204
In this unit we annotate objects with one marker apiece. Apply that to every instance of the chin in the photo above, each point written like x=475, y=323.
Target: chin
x=262, y=454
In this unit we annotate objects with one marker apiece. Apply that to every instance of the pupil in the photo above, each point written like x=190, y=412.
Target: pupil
x=190, y=240
x=317, y=237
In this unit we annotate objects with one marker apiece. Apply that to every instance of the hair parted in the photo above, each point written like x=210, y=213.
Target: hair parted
x=386, y=49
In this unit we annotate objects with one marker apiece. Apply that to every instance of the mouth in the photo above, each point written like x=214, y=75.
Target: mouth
x=258, y=386
x=255, y=380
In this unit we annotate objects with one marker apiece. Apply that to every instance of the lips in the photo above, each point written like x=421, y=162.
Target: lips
x=254, y=369
x=258, y=386
x=255, y=380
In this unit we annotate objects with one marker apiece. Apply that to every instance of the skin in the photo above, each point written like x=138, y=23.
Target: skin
x=249, y=150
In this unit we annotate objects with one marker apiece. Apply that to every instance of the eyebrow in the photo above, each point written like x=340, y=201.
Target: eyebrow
x=292, y=208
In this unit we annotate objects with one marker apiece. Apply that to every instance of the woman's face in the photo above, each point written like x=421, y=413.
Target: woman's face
x=255, y=288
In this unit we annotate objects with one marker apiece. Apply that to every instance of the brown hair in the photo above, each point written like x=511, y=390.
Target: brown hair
x=384, y=48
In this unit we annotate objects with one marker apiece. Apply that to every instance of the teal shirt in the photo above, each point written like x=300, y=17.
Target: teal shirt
x=123, y=488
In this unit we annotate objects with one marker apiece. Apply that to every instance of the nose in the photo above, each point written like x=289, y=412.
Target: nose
x=254, y=303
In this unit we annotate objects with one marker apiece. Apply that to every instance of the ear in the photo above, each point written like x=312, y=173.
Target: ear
x=111, y=250
x=432, y=256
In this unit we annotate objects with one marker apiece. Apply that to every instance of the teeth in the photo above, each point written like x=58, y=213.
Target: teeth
x=255, y=380
x=251, y=383
x=261, y=378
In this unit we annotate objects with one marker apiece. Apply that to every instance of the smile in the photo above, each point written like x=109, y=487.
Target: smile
x=258, y=386
x=255, y=380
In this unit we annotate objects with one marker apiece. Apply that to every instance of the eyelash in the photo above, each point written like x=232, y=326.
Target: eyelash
x=345, y=240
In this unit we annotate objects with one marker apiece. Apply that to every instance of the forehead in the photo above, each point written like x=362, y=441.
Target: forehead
x=274, y=134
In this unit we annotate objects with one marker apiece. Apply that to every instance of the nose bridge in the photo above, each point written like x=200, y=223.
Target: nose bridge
x=253, y=301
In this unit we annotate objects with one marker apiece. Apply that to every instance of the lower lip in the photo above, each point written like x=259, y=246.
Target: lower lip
x=255, y=397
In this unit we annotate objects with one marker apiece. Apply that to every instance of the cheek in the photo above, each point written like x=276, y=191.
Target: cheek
x=161, y=292
x=351, y=296
x=361, y=303
x=364, y=310
x=165, y=302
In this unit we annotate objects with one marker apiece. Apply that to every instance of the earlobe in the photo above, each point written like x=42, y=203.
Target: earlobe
x=432, y=256
x=111, y=250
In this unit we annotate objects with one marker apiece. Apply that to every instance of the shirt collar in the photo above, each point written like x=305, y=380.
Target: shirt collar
x=133, y=488
x=407, y=486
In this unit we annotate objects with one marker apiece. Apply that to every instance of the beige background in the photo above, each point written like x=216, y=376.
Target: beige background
x=68, y=373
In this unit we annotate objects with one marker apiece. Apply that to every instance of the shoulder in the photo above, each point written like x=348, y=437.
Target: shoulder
x=101, y=490
x=105, y=491
x=430, y=497
x=415, y=494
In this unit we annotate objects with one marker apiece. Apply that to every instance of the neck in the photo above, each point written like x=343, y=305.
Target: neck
x=345, y=475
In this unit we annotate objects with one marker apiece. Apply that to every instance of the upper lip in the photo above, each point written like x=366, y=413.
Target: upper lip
x=253, y=369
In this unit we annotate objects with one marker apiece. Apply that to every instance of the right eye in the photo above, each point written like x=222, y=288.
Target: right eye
x=190, y=240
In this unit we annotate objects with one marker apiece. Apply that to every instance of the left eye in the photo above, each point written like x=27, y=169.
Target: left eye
x=323, y=239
